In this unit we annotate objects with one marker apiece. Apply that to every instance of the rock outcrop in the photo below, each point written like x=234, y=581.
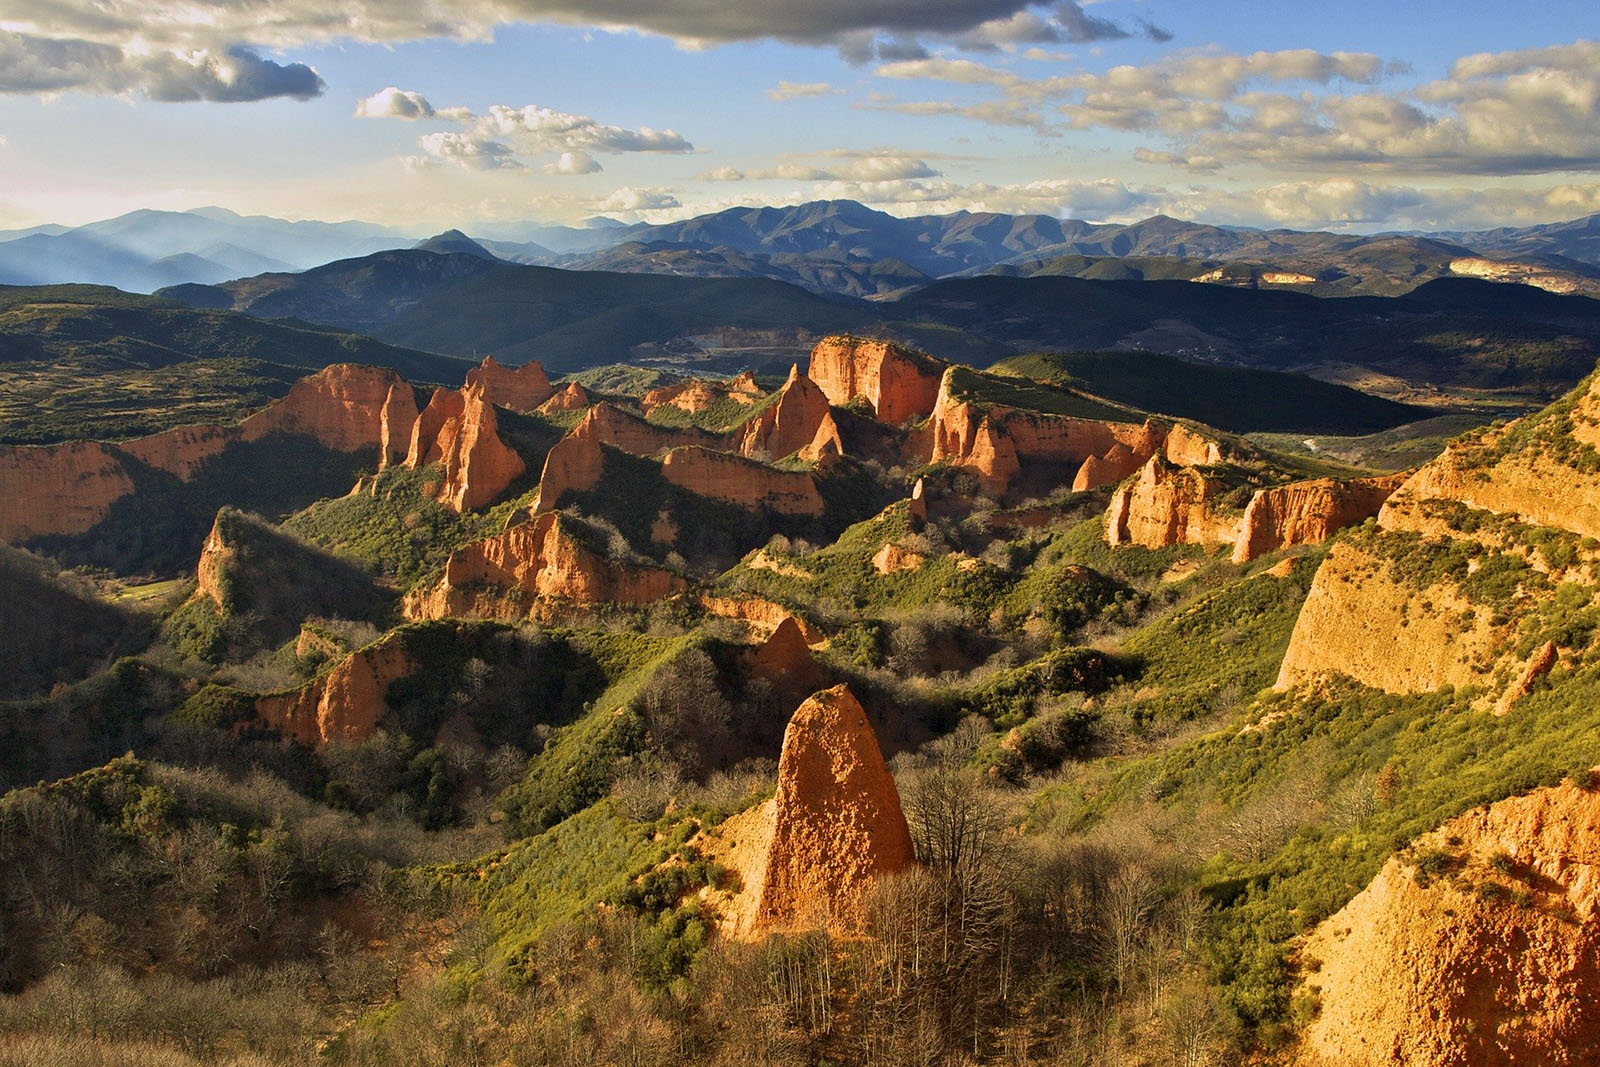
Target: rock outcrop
x=459, y=430
x=1167, y=505
x=70, y=487
x=892, y=558
x=346, y=704
x=1483, y=507
x=837, y=824
x=1490, y=955
x=216, y=554
x=799, y=421
x=573, y=398
x=763, y=617
x=1307, y=513
x=898, y=382
x=574, y=464
x=396, y=421
x=784, y=660
x=504, y=577
x=58, y=489
x=697, y=395
x=522, y=389
x=742, y=482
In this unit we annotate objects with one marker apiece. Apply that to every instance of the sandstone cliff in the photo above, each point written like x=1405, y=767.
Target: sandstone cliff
x=70, y=487
x=1460, y=560
x=1167, y=505
x=346, y=704
x=800, y=420
x=696, y=396
x=459, y=430
x=899, y=383
x=747, y=484
x=1307, y=513
x=837, y=824
x=503, y=577
x=1491, y=955
x=574, y=464
x=522, y=389
x=395, y=423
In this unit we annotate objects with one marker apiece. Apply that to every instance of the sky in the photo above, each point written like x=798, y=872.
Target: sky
x=479, y=114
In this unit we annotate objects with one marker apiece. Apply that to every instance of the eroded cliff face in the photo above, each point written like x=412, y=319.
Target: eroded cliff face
x=346, y=704
x=742, y=482
x=799, y=421
x=1490, y=956
x=696, y=396
x=1453, y=573
x=837, y=824
x=574, y=464
x=395, y=423
x=898, y=382
x=1167, y=505
x=459, y=430
x=504, y=577
x=70, y=487
x=58, y=489
x=1308, y=513
x=522, y=389
x=216, y=555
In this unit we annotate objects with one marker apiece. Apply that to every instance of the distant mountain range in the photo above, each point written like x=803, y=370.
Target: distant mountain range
x=1457, y=332
x=836, y=247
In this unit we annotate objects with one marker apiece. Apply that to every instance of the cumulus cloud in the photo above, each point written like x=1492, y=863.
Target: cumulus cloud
x=786, y=90
x=573, y=163
x=36, y=65
x=543, y=128
x=396, y=103
x=464, y=150
x=629, y=199
x=869, y=166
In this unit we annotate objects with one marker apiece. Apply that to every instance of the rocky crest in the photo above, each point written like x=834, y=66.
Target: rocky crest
x=70, y=487
x=799, y=421
x=742, y=482
x=573, y=398
x=395, y=423
x=1488, y=501
x=522, y=389
x=346, y=704
x=574, y=464
x=505, y=576
x=459, y=430
x=1310, y=512
x=696, y=396
x=1167, y=505
x=837, y=824
x=899, y=383
x=1433, y=970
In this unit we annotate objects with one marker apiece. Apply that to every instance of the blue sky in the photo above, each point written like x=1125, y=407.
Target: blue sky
x=1356, y=116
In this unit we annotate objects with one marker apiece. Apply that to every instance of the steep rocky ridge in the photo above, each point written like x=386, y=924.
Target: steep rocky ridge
x=1479, y=945
x=459, y=430
x=521, y=389
x=743, y=482
x=1461, y=561
x=508, y=576
x=898, y=383
x=69, y=488
x=346, y=704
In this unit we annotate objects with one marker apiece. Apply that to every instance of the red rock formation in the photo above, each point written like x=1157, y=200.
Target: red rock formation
x=459, y=429
x=762, y=616
x=899, y=383
x=395, y=423
x=1496, y=961
x=346, y=704
x=800, y=420
x=697, y=395
x=443, y=406
x=1308, y=513
x=784, y=659
x=1118, y=462
x=1167, y=505
x=478, y=466
x=215, y=555
x=612, y=426
x=70, y=487
x=523, y=389
x=573, y=465
x=837, y=822
x=917, y=509
x=58, y=489
x=891, y=558
x=748, y=484
x=1189, y=448
x=495, y=577
x=573, y=398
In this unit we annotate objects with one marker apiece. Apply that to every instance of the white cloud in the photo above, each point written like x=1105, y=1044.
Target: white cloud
x=396, y=103
x=786, y=90
x=545, y=129
x=37, y=65
x=573, y=163
x=628, y=199
x=465, y=150
x=722, y=174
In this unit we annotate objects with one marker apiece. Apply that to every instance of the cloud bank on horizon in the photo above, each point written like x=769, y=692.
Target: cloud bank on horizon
x=559, y=109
